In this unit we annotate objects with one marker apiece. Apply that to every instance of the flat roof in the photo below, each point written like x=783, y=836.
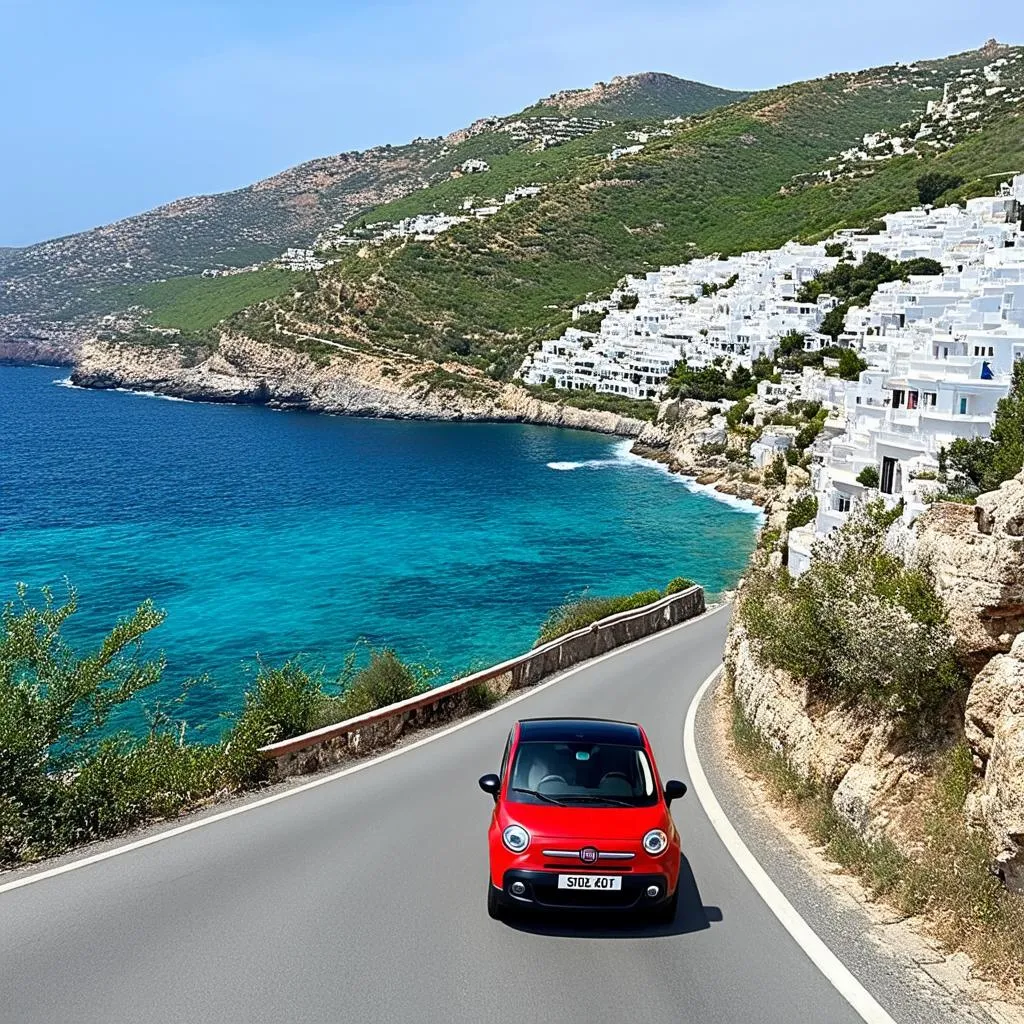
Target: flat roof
x=586, y=730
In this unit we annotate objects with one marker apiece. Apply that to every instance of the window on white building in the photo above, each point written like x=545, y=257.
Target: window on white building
x=842, y=502
x=963, y=406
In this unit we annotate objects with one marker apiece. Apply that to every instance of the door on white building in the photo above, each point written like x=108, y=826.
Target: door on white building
x=888, y=474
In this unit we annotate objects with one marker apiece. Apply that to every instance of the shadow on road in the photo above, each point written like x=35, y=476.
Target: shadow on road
x=691, y=916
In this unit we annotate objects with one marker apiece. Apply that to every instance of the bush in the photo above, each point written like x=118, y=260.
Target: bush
x=858, y=626
x=385, y=680
x=678, y=584
x=581, y=612
x=65, y=779
x=776, y=471
x=980, y=464
x=868, y=477
x=802, y=511
x=734, y=417
x=834, y=248
x=931, y=185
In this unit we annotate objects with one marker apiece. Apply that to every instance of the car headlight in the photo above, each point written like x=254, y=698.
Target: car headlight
x=655, y=842
x=515, y=838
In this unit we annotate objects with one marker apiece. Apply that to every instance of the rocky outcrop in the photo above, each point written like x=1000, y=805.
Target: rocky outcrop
x=976, y=558
x=28, y=351
x=873, y=769
x=876, y=771
x=689, y=437
x=350, y=382
x=995, y=731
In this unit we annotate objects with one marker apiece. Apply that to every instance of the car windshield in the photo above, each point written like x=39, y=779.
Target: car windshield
x=582, y=774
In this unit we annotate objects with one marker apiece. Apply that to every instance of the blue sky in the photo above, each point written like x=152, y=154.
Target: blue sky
x=111, y=108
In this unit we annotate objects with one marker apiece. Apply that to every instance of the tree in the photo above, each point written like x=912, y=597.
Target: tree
x=790, y=343
x=932, y=185
x=802, y=511
x=776, y=471
x=850, y=364
x=834, y=248
x=868, y=477
x=835, y=320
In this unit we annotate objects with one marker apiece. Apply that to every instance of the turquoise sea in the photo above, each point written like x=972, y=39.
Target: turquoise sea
x=288, y=533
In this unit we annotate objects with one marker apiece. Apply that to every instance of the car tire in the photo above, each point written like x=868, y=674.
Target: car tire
x=665, y=913
x=495, y=908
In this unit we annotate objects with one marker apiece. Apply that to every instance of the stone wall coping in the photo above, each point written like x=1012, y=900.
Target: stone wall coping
x=456, y=686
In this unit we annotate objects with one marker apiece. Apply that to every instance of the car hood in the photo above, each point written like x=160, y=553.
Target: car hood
x=617, y=824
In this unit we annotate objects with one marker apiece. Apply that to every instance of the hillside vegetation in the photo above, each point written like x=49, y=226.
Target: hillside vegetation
x=737, y=178
x=198, y=303
x=72, y=276
x=647, y=95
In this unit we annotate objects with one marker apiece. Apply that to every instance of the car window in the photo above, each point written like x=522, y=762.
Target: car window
x=582, y=773
x=504, y=757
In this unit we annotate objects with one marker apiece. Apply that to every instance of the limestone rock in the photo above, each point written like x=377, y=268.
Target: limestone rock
x=245, y=371
x=872, y=768
x=976, y=557
x=995, y=730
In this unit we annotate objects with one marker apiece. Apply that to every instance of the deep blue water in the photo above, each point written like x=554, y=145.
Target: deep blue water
x=287, y=533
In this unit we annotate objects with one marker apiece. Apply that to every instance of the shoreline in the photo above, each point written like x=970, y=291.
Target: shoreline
x=241, y=371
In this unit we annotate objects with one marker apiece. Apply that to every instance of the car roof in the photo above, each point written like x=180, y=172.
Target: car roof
x=589, y=730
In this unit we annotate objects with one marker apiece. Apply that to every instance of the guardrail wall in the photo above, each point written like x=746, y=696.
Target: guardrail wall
x=378, y=729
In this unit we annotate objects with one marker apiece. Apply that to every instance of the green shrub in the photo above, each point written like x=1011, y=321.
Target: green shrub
x=65, y=779
x=980, y=464
x=776, y=471
x=283, y=702
x=678, y=584
x=931, y=185
x=734, y=417
x=581, y=612
x=868, y=477
x=385, y=680
x=802, y=511
x=858, y=626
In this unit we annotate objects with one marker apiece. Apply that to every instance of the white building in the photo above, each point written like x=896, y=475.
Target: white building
x=941, y=352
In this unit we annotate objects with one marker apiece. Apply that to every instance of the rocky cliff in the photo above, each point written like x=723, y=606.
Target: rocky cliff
x=876, y=771
x=28, y=350
x=346, y=382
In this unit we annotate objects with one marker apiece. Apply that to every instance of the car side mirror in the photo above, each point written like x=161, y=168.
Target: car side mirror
x=674, y=789
x=490, y=784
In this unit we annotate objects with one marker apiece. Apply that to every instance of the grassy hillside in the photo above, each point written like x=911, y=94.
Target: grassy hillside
x=737, y=178
x=198, y=303
x=74, y=276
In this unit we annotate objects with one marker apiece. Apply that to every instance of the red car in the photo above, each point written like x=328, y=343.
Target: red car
x=581, y=821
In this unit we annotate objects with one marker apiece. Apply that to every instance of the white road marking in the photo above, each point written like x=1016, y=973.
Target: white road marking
x=805, y=937
x=334, y=776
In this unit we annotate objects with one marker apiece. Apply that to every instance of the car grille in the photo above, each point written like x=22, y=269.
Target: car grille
x=579, y=869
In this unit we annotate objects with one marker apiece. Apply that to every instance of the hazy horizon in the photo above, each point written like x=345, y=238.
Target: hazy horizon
x=123, y=109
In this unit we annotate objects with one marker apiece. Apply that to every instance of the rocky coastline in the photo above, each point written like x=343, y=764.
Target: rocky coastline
x=33, y=351
x=246, y=372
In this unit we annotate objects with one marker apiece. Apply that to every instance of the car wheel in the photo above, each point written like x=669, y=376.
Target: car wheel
x=665, y=913
x=495, y=908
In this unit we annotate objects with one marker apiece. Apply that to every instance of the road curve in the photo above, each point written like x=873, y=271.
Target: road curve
x=363, y=900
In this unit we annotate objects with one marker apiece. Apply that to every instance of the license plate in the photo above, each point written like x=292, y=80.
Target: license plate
x=610, y=882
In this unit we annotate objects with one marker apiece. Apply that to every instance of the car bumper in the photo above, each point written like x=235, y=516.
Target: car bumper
x=540, y=890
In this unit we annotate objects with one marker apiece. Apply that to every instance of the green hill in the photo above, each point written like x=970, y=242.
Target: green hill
x=82, y=274
x=633, y=97
x=751, y=175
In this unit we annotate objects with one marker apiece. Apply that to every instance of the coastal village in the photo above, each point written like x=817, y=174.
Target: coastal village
x=939, y=349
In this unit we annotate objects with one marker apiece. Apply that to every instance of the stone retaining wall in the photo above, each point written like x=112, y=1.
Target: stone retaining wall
x=379, y=729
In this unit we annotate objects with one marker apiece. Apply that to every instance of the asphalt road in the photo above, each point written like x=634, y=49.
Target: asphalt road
x=363, y=900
